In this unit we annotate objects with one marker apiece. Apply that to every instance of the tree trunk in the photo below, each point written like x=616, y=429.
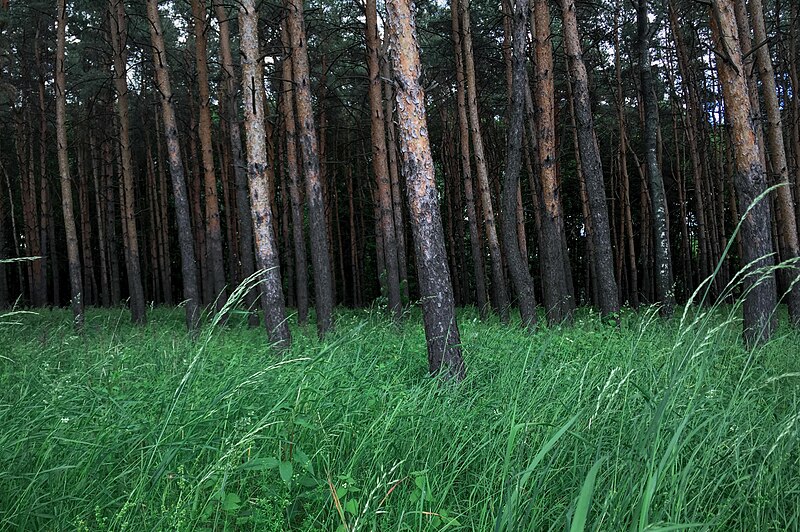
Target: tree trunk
x=255, y=134
x=105, y=287
x=214, y=255
x=557, y=299
x=189, y=271
x=466, y=168
x=380, y=165
x=231, y=114
x=76, y=288
x=787, y=237
x=320, y=259
x=295, y=190
x=517, y=263
x=591, y=166
x=119, y=37
x=441, y=328
x=500, y=296
x=665, y=291
x=749, y=180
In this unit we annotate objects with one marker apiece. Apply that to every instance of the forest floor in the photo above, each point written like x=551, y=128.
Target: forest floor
x=653, y=426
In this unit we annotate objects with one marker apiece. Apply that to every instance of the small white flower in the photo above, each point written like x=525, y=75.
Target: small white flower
x=65, y=420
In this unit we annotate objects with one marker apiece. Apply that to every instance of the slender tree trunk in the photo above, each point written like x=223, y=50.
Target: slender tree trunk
x=591, y=165
x=500, y=296
x=105, y=287
x=787, y=237
x=119, y=37
x=320, y=259
x=397, y=198
x=293, y=173
x=441, y=328
x=665, y=291
x=47, y=238
x=164, y=243
x=189, y=271
x=517, y=263
x=255, y=134
x=4, y=293
x=214, y=254
x=89, y=279
x=749, y=180
x=231, y=114
x=557, y=299
x=76, y=289
x=380, y=164
x=466, y=168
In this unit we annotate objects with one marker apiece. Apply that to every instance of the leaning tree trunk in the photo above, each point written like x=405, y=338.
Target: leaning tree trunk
x=239, y=166
x=499, y=292
x=293, y=173
x=665, y=291
x=320, y=259
x=76, y=288
x=591, y=166
x=436, y=290
x=517, y=263
x=191, y=288
x=787, y=230
x=557, y=297
x=214, y=255
x=255, y=134
x=119, y=37
x=380, y=164
x=749, y=179
x=466, y=168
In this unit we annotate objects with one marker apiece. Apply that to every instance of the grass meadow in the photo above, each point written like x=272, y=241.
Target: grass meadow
x=650, y=426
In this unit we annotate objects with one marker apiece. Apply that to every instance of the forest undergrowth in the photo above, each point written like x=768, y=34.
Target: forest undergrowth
x=650, y=426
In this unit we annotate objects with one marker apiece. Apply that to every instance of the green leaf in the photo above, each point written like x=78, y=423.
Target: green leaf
x=350, y=506
x=259, y=464
x=231, y=503
x=585, y=499
x=286, y=470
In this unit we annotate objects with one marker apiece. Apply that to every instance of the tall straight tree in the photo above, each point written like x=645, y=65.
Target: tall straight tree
x=231, y=115
x=75, y=282
x=214, y=255
x=787, y=229
x=191, y=287
x=591, y=166
x=665, y=291
x=466, y=168
x=557, y=299
x=293, y=173
x=380, y=165
x=436, y=290
x=323, y=287
x=119, y=39
x=749, y=178
x=499, y=292
x=517, y=263
x=260, y=194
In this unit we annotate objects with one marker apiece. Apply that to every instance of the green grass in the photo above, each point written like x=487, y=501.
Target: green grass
x=652, y=426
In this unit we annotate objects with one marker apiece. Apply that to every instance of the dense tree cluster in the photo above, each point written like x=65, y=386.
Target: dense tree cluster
x=493, y=153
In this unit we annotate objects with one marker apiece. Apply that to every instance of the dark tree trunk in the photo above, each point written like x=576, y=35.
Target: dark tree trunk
x=255, y=134
x=749, y=179
x=191, y=288
x=105, y=287
x=119, y=39
x=76, y=288
x=517, y=263
x=591, y=167
x=441, y=329
x=466, y=168
x=323, y=289
x=295, y=189
x=665, y=291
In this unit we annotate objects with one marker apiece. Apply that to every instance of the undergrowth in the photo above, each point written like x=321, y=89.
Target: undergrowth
x=650, y=426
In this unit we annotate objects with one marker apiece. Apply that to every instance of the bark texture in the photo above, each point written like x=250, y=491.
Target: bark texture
x=260, y=208
x=517, y=263
x=436, y=291
x=749, y=179
x=189, y=272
